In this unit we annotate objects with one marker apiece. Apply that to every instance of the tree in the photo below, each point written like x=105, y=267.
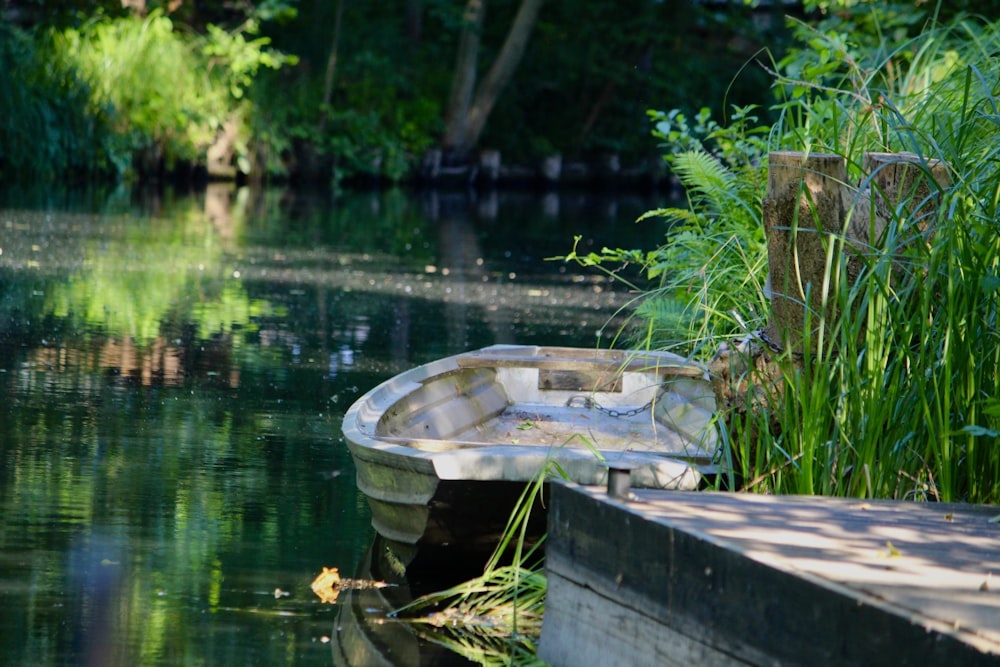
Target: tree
x=469, y=105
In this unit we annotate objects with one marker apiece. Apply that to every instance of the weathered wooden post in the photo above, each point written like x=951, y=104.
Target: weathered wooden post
x=489, y=166
x=804, y=212
x=897, y=187
x=551, y=168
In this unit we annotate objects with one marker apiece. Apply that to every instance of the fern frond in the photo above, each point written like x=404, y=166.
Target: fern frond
x=671, y=214
x=716, y=190
x=703, y=173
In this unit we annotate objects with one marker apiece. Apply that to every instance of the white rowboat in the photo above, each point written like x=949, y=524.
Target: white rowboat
x=441, y=448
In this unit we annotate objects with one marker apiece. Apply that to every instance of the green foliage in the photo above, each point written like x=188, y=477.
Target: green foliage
x=241, y=59
x=897, y=398
x=376, y=124
x=714, y=252
x=168, y=92
x=145, y=76
x=47, y=130
x=847, y=95
x=96, y=98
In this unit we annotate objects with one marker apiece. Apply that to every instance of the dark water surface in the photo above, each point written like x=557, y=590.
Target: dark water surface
x=173, y=374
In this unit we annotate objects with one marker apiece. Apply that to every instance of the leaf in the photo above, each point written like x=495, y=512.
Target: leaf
x=890, y=551
x=990, y=283
x=326, y=585
x=979, y=431
x=991, y=407
x=702, y=172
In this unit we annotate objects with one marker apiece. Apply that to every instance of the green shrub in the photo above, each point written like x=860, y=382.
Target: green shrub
x=48, y=129
x=94, y=100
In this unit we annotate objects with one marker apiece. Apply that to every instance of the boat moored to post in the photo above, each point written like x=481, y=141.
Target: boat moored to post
x=454, y=441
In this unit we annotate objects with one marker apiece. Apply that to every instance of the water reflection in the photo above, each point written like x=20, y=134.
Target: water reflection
x=174, y=372
x=367, y=634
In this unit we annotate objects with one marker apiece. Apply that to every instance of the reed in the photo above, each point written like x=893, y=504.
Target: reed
x=496, y=618
x=899, y=398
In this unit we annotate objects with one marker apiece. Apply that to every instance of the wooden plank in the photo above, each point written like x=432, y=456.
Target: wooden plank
x=766, y=579
x=585, y=380
x=620, y=635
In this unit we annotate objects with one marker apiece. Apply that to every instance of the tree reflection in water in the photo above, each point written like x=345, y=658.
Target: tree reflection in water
x=174, y=373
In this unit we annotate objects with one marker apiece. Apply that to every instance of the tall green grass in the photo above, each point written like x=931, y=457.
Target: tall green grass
x=901, y=400
x=899, y=397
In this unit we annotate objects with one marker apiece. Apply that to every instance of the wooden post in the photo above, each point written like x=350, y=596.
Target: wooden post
x=430, y=164
x=900, y=184
x=552, y=168
x=489, y=165
x=804, y=213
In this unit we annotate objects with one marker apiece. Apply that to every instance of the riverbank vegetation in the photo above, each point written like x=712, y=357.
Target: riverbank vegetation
x=899, y=398
x=308, y=90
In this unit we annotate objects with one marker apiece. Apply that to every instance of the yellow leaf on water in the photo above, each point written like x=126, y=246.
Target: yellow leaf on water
x=326, y=584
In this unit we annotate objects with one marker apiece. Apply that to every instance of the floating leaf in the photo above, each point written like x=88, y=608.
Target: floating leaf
x=326, y=585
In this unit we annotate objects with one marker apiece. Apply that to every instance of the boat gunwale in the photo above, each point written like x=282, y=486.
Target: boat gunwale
x=360, y=429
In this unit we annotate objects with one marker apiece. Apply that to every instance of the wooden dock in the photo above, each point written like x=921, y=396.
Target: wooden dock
x=699, y=578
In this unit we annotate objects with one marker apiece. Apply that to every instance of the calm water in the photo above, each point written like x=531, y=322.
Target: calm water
x=173, y=373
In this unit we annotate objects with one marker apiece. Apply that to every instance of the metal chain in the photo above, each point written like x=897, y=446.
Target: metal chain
x=774, y=347
x=717, y=454
x=761, y=335
x=590, y=403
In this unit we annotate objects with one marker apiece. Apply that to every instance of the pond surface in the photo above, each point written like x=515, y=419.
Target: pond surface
x=174, y=372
